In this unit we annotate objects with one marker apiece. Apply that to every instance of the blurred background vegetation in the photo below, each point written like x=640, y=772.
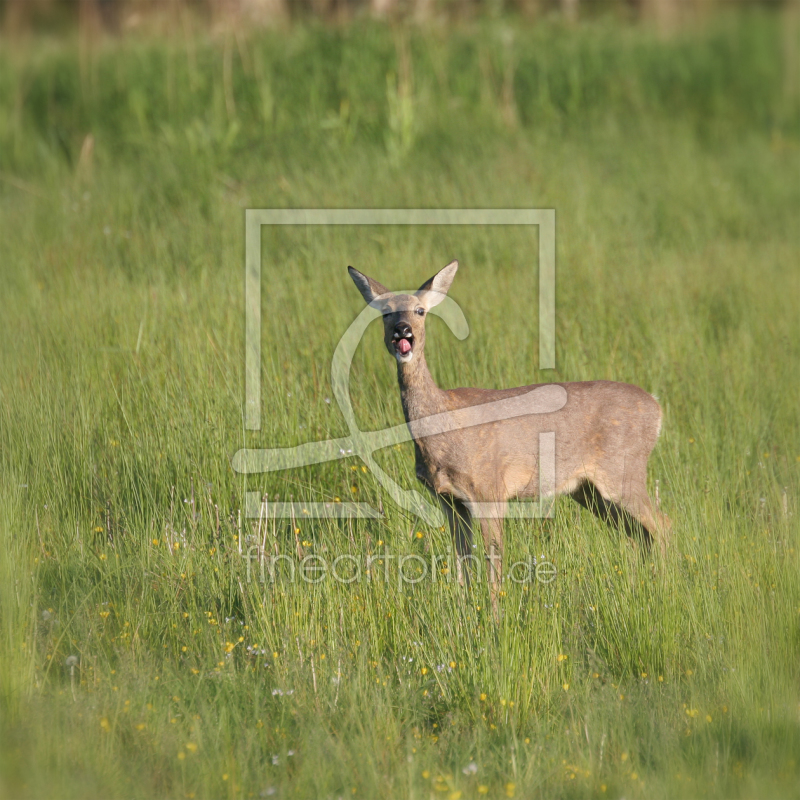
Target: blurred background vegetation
x=116, y=16
x=93, y=79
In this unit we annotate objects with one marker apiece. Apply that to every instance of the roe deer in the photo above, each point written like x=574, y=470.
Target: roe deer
x=604, y=433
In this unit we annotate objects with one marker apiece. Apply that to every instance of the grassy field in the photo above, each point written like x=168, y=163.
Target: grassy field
x=139, y=658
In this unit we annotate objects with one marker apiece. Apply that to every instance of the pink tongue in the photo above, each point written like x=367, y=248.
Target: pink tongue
x=403, y=346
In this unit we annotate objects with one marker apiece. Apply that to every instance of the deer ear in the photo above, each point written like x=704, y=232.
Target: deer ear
x=433, y=291
x=370, y=289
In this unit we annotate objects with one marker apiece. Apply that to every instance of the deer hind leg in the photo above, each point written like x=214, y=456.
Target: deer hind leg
x=629, y=510
x=460, y=523
x=638, y=507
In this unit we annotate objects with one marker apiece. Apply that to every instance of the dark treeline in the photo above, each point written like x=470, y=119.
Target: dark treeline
x=117, y=16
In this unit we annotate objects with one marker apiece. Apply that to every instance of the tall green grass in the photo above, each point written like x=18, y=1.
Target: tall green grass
x=673, y=168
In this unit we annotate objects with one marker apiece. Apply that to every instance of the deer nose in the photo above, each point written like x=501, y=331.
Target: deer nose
x=402, y=330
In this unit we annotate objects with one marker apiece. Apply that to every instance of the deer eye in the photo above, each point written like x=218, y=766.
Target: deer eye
x=420, y=311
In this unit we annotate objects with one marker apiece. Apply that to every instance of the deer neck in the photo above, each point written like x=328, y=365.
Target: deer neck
x=419, y=394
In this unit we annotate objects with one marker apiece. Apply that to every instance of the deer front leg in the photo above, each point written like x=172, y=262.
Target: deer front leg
x=492, y=532
x=460, y=522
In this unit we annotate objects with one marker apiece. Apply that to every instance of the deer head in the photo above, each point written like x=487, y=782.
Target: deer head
x=404, y=314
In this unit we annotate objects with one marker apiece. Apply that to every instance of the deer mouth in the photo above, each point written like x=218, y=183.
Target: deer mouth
x=403, y=346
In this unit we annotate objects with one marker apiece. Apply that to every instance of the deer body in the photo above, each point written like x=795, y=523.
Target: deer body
x=604, y=434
